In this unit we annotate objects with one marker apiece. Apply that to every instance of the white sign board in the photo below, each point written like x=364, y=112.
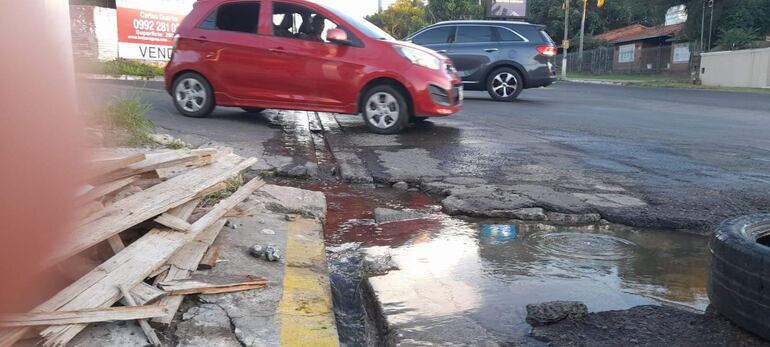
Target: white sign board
x=681, y=52
x=146, y=28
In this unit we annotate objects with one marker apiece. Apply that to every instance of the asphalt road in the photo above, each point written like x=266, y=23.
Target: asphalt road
x=694, y=157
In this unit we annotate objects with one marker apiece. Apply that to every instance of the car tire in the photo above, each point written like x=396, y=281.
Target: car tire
x=505, y=84
x=739, y=285
x=193, y=95
x=252, y=109
x=385, y=110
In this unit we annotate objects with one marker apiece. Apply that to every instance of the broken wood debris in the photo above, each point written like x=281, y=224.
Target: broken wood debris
x=167, y=254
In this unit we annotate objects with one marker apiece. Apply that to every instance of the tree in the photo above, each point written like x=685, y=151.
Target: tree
x=737, y=38
x=442, y=10
x=402, y=18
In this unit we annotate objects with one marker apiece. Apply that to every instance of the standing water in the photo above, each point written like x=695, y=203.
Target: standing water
x=458, y=281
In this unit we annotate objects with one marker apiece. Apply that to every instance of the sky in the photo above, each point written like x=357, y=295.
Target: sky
x=358, y=8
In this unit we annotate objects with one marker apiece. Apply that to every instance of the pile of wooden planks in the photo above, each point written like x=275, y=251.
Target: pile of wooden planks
x=152, y=197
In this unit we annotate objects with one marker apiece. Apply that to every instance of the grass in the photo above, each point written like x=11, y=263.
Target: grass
x=120, y=67
x=130, y=115
x=658, y=81
x=231, y=186
x=625, y=77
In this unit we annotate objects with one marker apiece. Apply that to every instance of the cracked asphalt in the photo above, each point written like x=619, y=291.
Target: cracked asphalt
x=646, y=157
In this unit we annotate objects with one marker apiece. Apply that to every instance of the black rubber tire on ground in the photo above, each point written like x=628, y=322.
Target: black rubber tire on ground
x=491, y=84
x=403, y=110
x=252, y=109
x=739, y=285
x=208, y=104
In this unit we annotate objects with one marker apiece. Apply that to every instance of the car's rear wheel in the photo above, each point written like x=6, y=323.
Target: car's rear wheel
x=505, y=84
x=385, y=110
x=252, y=109
x=193, y=95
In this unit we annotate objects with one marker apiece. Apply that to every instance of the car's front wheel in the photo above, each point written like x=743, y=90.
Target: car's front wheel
x=505, y=84
x=385, y=110
x=193, y=95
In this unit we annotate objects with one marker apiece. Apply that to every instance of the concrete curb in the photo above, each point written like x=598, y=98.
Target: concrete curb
x=91, y=76
x=600, y=82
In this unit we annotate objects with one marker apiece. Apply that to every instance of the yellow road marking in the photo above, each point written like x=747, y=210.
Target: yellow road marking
x=305, y=310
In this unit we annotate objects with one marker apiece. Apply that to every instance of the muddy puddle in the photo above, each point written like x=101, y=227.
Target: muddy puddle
x=458, y=281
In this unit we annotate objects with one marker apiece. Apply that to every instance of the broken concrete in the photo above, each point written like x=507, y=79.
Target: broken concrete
x=206, y=325
x=288, y=200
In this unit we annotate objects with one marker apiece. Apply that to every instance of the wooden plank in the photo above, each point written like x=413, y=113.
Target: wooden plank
x=172, y=222
x=82, y=316
x=157, y=161
x=148, y=331
x=143, y=257
x=213, y=285
x=145, y=294
x=106, y=189
x=210, y=259
x=142, y=206
x=116, y=243
x=88, y=284
x=105, y=165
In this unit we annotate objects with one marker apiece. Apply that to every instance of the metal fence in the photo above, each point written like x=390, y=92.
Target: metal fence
x=664, y=59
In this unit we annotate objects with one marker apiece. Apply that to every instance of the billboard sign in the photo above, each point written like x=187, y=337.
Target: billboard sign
x=146, y=27
x=507, y=8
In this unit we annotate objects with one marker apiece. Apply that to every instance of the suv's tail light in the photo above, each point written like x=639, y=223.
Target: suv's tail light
x=546, y=50
x=175, y=42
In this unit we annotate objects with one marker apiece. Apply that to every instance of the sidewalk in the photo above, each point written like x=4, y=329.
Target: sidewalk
x=294, y=310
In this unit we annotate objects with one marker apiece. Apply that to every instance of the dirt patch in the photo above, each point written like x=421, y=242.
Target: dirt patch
x=647, y=326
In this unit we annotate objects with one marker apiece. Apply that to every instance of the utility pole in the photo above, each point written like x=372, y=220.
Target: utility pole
x=582, y=35
x=379, y=6
x=711, y=24
x=702, y=25
x=565, y=43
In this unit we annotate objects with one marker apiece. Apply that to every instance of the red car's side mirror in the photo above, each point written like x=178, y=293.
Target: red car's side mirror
x=338, y=36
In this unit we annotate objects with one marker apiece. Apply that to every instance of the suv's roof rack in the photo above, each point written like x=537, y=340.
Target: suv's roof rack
x=483, y=22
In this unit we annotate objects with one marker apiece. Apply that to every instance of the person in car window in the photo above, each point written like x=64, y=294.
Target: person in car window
x=284, y=29
x=319, y=25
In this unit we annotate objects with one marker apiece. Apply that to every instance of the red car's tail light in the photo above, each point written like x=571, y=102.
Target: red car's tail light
x=546, y=50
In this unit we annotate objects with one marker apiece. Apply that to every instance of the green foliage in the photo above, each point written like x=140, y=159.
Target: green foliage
x=401, y=18
x=738, y=38
x=120, y=67
x=130, y=115
x=443, y=10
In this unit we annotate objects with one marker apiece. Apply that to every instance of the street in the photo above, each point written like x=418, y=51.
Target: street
x=644, y=157
x=574, y=192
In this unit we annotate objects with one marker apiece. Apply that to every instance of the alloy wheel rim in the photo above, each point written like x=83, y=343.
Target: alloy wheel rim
x=190, y=95
x=382, y=110
x=505, y=84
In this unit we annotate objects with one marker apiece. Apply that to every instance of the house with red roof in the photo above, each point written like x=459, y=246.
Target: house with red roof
x=638, y=48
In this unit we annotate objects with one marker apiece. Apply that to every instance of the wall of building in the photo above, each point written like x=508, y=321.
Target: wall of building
x=94, y=33
x=745, y=68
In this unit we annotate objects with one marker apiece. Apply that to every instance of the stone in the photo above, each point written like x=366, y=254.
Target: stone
x=402, y=186
x=437, y=188
x=554, y=312
x=268, y=231
x=413, y=190
x=288, y=200
x=290, y=217
x=573, y=219
x=530, y=214
x=385, y=215
x=484, y=204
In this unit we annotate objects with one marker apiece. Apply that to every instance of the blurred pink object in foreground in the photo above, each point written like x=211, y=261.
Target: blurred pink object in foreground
x=39, y=142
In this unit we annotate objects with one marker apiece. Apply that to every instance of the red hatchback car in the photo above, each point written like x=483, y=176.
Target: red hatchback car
x=300, y=55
